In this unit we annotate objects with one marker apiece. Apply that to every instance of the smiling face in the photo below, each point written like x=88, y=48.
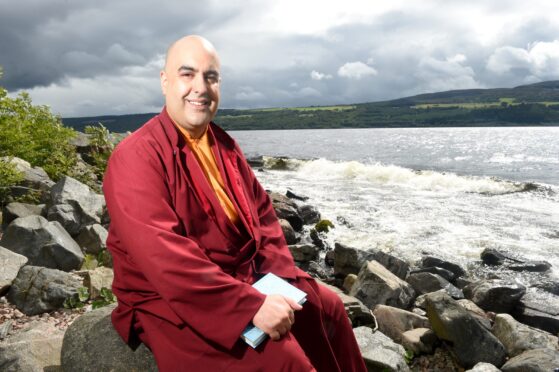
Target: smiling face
x=190, y=83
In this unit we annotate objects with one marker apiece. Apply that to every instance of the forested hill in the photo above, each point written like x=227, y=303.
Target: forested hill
x=534, y=104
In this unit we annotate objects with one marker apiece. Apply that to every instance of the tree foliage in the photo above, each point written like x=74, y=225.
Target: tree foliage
x=33, y=133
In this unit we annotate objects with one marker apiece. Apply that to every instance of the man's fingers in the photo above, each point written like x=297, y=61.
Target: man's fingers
x=294, y=305
x=291, y=317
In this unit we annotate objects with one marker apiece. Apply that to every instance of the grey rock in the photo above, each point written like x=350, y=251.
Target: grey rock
x=376, y=285
x=538, y=360
x=469, y=340
x=349, y=260
x=5, y=328
x=16, y=210
x=93, y=239
x=35, y=178
x=426, y=282
x=68, y=216
x=10, y=263
x=518, y=338
x=484, y=367
x=357, y=312
x=89, y=204
x=447, y=275
x=497, y=295
x=309, y=214
x=462, y=282
x=316, y=270
x=304, y=252
x=91, y=344
x=532, y=266
x=430, y=261
x=379, y=351
x=419, y=340
x=393, y=322
x=539, y=309
x=34, y=349
x=292, y=195
x=330, y=257
x=476, y=311
x=287, y=209
x=349, y=281
x=317, y=240
x=38, y=290
x=397, y=266
x=491, y=256
x=44, y=243
x=95, y=280
x=288, y=232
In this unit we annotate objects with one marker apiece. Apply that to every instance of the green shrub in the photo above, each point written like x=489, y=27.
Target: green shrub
x=324, y=226
x=107, y=297
x=101, y=147
x=9, y=176
x=33, y=133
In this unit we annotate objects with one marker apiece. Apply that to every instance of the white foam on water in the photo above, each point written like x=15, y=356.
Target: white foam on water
x=395, y=175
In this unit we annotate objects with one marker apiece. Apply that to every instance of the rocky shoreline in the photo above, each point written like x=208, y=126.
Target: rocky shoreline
x=420, y=316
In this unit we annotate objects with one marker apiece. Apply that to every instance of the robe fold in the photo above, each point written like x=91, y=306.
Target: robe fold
x=177, y=256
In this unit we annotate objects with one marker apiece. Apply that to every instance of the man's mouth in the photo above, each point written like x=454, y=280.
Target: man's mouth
x=198, y=102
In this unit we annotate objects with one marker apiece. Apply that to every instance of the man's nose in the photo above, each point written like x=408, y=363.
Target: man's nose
x=199, y=85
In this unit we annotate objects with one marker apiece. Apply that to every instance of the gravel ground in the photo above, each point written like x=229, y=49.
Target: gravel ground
x=14, y=320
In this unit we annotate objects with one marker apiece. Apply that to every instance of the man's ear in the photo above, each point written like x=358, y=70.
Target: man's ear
x=163, y=80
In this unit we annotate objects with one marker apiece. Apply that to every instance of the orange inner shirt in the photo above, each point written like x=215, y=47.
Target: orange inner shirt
x=201, y=148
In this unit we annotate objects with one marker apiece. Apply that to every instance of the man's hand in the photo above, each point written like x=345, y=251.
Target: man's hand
x=276, y=315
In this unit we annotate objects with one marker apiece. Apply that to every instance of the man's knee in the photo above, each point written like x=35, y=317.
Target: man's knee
x=288, y=355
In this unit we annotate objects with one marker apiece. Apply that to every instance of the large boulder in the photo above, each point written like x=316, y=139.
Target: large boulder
x=395, y=265
x=518, y=338
x=35, y=348
x=44, y=243
x=539, y=309
x=304, y=252
x=469, y=340
x=419, y=340
x=91, y=344
x=379, y=351
x=376, y=285
x=497, y=295
x=393, y=322
x=89, y=204
x=286, y=209
x=426, y=282
x=34, y=178
x=38, y=290
x=95, y=280
x=309, y=214
x=66, y=215
x=93, y=239
x=288, y=232
x=16, y=210
x=11, y=263
x=537, y=360
x=349, y=260
x=357, y=312
x=484, y=367
x=430, y=261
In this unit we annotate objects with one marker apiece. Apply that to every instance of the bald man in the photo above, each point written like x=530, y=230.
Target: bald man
x=191, y=231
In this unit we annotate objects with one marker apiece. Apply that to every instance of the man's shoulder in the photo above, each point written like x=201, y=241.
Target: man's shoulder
x=150, y=134
x=223, y=138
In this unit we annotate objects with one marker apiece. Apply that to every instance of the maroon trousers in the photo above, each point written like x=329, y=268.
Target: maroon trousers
x=320, y=340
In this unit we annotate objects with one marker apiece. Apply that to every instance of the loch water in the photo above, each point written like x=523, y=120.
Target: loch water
x=448, y=192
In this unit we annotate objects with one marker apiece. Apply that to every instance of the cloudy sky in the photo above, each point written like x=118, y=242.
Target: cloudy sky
x=103, y=57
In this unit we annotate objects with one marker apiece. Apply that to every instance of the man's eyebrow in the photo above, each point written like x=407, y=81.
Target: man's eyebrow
x=212, y=72
x=186, y=68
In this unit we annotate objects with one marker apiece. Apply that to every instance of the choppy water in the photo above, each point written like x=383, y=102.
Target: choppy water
x=450, y=192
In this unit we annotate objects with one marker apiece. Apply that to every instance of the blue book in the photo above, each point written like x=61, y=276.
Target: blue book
x=271, y=284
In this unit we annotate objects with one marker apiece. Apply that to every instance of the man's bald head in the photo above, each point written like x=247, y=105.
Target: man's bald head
x=190, y=83
x=189, y=43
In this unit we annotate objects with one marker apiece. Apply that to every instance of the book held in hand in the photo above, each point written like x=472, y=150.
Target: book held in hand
x=268, y=285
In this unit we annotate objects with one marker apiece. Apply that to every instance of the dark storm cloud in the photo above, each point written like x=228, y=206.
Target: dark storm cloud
x=45, y=42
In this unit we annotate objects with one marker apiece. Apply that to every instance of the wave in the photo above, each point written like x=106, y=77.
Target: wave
x=398, y=176
x=501, y=158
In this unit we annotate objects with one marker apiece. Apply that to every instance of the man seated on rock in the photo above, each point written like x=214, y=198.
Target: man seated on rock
x=192, y=229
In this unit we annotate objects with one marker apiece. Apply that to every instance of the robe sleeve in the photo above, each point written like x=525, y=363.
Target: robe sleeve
x=213, y=303
x=273, y=254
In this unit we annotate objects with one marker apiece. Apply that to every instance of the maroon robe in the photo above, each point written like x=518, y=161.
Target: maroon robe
x=183, y=270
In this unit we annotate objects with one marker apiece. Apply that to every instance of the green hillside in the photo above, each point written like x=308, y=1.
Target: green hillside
x=534, y=104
